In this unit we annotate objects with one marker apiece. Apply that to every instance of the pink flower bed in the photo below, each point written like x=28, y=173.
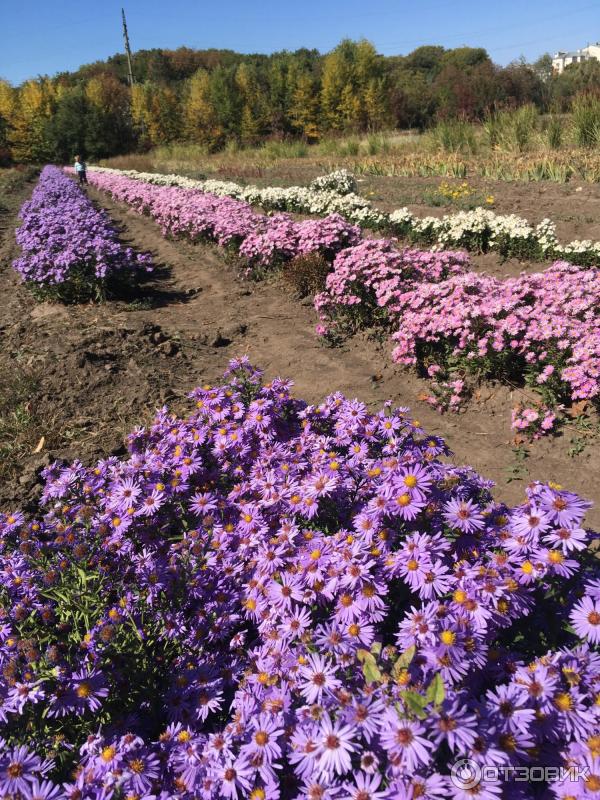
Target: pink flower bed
x=197, y=216
x=541, y=329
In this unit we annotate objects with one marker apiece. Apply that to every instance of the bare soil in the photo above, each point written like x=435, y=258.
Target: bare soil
x=90, y=373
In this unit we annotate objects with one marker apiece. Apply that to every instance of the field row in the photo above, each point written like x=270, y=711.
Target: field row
x=267, y=599
x=69, y=248
x=478, y=230
x=457, y=326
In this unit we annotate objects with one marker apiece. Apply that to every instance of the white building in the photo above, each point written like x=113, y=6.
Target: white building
x=562, y=60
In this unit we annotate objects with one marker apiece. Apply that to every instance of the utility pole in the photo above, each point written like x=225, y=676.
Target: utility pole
x=127, y=48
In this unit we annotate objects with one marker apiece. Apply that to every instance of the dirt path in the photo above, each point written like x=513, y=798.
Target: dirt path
x=103, y=370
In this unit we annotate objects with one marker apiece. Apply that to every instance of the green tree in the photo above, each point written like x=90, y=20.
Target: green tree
x=253, y=118
x=109, y=129
x=226, y=101
x=67, y=127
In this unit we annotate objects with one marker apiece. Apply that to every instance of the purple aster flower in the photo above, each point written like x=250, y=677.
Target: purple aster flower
x=585, y=618
x=508, y=706
x=266, y=731
x=141, y=770
x=44, y=790
x=317, y=676
x=23, y=693
x=202, y=503
x=365, y=788
x=19, y=768
x=89, y=689
x=126, y=492
x=567, y=539
x=563, y=508
x=336, y=743
x=405, y=743
x=455, y=724
x=235, y=779
x=465, y=515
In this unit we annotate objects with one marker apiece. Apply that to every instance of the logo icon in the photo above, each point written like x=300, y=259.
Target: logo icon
x=465, y=774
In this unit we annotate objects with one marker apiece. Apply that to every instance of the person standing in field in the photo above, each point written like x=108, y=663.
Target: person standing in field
x=80, y=169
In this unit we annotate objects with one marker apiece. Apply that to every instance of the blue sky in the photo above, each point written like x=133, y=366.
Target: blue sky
x=46, y=36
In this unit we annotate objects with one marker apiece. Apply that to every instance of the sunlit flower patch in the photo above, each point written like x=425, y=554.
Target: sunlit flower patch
x=273, y=600
x=479, y=229
x=70, y=248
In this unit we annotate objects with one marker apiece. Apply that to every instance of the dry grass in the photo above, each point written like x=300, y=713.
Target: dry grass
x=20, y=426
x=511, y=146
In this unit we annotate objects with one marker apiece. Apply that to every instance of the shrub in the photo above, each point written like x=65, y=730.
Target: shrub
x=306, y=274
x=455, y=136
x=341, y=182
x=554, y=132
x=512, y=130
x=586, y=119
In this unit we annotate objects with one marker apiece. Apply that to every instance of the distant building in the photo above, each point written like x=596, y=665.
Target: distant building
x=562, y=59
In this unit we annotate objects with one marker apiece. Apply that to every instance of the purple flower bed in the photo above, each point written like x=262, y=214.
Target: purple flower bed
x=70, y=248
x=269, y=600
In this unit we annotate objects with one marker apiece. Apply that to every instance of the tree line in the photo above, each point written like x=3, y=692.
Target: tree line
x=213, y=97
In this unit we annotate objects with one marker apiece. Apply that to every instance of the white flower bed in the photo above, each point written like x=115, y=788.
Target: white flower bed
x=480, y=229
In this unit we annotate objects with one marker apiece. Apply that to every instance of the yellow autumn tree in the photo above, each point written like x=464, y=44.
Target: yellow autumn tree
x=7, y=106
x=304, y=107
x=376, y=105
x=107, y=93
x=156, y=111
x=200, y=123
x=29, y=132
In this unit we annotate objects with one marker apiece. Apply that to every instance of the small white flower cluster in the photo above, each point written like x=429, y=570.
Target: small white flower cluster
x=579, y=247
x=478, y=229
x=481, y=228
x=341, y=182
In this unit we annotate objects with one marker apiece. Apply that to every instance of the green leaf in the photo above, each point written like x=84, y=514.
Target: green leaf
x=405, y=658
x=370, y=669
x=403, y=662
x=415, y=703
x=376, y=648
x=83, y=575
x=436, y=691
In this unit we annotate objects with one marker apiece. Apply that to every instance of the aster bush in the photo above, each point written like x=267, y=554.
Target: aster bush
x=274, y=600
x=70, y=249
x=540, y=330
